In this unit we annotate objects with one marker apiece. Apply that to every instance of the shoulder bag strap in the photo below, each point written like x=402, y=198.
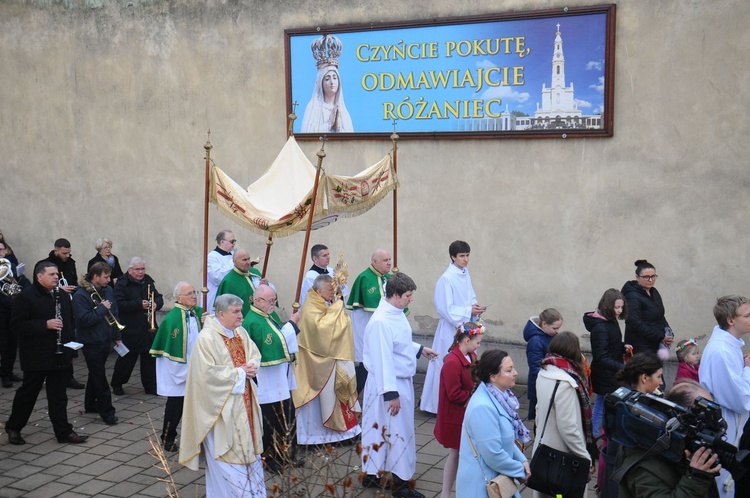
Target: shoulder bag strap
x=549, y=409
x=476, y=455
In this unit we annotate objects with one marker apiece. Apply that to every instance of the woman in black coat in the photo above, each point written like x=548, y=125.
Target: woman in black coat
x=607, y=348
x=646, y=325
x=104, y=255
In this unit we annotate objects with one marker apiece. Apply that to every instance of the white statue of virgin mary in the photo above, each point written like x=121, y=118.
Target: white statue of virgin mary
x=326, y=112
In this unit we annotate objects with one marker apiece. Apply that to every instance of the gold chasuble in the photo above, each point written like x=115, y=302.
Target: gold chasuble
x=325, y=367
x=209, y=402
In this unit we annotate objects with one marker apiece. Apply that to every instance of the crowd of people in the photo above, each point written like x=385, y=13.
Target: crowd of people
x=249, y=388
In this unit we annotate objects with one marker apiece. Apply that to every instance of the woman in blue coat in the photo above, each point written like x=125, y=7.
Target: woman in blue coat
x=494, y=426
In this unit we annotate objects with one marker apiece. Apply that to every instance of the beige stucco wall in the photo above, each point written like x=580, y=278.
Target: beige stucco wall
x=105, y=107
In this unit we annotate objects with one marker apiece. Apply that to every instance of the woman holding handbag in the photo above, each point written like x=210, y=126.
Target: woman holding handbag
x=564, y=425
x=456, y=386
x=490, y=429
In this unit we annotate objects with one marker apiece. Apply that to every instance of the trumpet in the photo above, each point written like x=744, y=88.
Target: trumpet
x=96, y=298
x=8, y=284
x=151, y=312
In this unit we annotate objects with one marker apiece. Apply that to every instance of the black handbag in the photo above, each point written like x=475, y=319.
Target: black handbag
x=555, y=472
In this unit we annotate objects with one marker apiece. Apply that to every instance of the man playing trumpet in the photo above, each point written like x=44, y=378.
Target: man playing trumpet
x=42, y=320
x=96, y=318
x=137, y=302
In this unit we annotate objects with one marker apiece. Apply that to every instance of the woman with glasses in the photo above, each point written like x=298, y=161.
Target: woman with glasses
x=646, y=327
x=104, y=255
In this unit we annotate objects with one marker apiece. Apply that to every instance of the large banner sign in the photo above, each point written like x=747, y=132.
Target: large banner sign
x=547, y=73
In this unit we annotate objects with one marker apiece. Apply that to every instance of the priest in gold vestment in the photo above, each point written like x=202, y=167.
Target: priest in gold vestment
x=221, y=413
x=326, y=394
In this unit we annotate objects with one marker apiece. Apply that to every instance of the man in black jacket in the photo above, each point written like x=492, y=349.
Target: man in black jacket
x=42, y=318
x=8, y=340
x=61, y=256
x=95, y=309
x=132, y=296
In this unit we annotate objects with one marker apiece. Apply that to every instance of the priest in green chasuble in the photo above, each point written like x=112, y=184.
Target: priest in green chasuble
x=241, y=280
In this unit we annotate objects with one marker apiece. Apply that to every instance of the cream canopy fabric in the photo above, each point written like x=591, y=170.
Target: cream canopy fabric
x=278, y=202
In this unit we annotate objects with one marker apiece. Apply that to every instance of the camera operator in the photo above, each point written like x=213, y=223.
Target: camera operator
x=657, y=476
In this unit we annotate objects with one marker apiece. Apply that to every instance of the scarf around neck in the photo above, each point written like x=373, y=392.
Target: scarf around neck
x=510, y=404
x=582, y=390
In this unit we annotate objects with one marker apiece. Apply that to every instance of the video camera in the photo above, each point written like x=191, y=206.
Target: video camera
x=638, y=420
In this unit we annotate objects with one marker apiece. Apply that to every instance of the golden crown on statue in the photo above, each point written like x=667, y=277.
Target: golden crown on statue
x=326, y=51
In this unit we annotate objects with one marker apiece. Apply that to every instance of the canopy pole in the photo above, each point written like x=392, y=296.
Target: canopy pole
x=394, y=139
x=208, y=148
x=310, y=215
x=269, y=243
x=289, y=132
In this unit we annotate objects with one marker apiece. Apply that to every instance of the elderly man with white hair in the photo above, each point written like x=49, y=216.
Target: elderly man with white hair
x=172, y=347
x=222, y=416
x=132, y=295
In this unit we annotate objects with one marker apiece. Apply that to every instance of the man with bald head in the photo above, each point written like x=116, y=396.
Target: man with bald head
x=172, y=347
x=241, y=280
x=277, y=343
x=367, y=291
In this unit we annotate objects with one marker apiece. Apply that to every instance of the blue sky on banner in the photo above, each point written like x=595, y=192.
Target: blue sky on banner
x=372, y=94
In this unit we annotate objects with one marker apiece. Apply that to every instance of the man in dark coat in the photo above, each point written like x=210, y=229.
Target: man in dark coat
x=61, y=257
x=42, y=318
x=8, y=340
x=131, y=294
x=95, y=309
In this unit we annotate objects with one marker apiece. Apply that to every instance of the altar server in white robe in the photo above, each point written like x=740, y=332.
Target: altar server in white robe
x=390, y=356
x=222, y=415
x=456, y=303
x=725, y=372
x=321, y=257
x=218, y=264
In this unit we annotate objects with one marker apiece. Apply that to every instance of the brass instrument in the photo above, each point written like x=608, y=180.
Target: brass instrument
x=58, y=316
x=8, y=284
x=151, y=312
x=96, y=298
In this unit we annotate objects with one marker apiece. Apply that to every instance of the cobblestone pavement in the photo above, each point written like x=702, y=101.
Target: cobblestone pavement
x=118, y=461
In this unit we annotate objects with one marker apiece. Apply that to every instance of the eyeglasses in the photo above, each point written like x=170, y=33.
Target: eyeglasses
x=233, y=241
x=194, y=293
x=650, y=278
x=139, y=269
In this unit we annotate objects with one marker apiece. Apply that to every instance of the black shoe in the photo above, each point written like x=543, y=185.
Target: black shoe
x=405, y=492
x=16, y=378
x=149, y=391
x=7, y=382
x=74, y=384
x=118, y=391
x=14, y=437
x=90, y=410
x=111, y=420
x=371, y=481
x=171, y=447
x=72, y=438
x=272, y=466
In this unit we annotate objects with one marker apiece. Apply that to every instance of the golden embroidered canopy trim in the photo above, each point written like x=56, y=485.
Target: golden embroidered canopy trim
x=278, y=202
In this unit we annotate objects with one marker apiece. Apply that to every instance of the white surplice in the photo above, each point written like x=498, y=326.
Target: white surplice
x=217, y=267
x=454, y=296
x=723, y=372
x=390, y=357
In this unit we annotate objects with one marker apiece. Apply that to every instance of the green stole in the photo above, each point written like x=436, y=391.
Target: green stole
x=367, y=290
x=265, y=331
x=171, y=337
x=239, y=283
